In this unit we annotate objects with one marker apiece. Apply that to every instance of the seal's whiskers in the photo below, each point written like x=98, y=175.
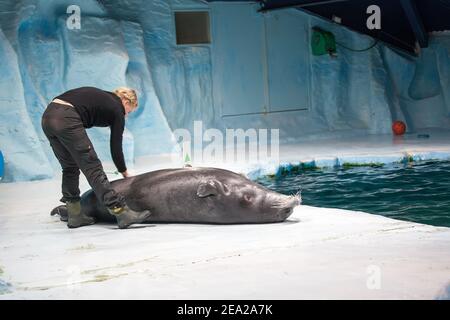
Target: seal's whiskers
x=287, y=201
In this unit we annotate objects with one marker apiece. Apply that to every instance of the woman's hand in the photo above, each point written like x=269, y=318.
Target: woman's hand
x=126, y=174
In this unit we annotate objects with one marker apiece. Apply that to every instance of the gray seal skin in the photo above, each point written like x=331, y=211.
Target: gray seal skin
x=194, y=195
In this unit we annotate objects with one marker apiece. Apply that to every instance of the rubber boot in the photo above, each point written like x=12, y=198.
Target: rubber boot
x=126, y=216
x=76, y=217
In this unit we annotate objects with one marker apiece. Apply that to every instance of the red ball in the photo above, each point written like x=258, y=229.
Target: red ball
x=399, y=128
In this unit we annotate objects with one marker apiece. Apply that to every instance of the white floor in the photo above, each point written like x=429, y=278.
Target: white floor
x=319, y=253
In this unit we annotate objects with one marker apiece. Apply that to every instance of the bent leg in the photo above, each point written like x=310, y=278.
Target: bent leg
x=70, y=178
x=76, y=140
x=70, y=171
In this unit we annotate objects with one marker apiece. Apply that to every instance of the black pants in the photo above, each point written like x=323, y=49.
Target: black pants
x=73, y=148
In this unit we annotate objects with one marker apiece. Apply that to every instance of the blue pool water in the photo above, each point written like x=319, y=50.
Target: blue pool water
x=417, y=192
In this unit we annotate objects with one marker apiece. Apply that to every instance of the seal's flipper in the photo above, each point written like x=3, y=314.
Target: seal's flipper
x=61, y=211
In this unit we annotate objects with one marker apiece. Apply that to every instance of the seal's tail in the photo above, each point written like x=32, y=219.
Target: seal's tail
x=61, y=211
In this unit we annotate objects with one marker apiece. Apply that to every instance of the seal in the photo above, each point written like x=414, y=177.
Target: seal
x=193, y=195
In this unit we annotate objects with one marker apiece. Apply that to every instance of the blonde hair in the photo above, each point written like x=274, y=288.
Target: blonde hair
x=127, y=93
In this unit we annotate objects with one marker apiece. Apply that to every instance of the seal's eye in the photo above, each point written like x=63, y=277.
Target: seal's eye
x=246, y=200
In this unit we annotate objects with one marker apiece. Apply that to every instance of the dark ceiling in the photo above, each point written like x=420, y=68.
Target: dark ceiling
x=403, y=22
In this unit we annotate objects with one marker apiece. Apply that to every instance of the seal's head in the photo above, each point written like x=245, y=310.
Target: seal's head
x=244, y=200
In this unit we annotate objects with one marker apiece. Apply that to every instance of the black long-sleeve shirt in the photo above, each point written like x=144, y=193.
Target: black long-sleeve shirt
x=99, y=108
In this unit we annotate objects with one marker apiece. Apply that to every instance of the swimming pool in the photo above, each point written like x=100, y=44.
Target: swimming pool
x=418, y=192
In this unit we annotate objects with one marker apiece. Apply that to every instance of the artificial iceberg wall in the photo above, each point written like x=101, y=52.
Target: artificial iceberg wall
x=257, y=72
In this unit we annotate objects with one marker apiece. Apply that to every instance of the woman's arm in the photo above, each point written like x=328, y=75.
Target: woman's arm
x=117, y=129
